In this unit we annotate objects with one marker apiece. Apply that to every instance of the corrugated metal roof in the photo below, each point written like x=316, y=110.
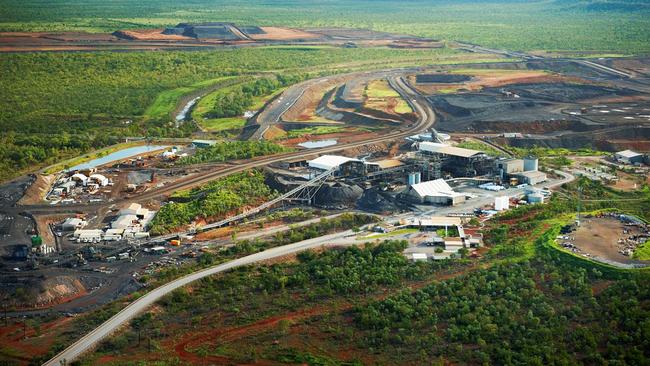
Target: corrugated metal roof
x=436, y=187
x=628, y=154
x=439, y=148
x=327, y=162
x=388, y=163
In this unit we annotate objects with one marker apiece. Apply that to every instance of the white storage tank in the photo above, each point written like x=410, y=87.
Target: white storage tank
x=531, y=164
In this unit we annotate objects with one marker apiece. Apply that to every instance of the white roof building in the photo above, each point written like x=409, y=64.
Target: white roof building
x=434, y=191
x=444, y=149
x=328, y=162
x=124, y=221
x=79, y=177
x=73, y=223
x=100, y=179
x=629, y=157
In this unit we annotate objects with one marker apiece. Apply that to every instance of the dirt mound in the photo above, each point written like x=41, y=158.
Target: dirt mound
x=36, y=192
x=338, y=195
x=458, y=112
x=565, y=93
x=441, y=78
x=30, y=291
x=374, y=200
x=539, y=127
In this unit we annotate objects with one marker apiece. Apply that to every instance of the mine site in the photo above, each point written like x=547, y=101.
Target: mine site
x=482, y=155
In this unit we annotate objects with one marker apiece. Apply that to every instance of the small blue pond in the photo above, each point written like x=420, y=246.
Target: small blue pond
x=317, y=144
x=118, y=155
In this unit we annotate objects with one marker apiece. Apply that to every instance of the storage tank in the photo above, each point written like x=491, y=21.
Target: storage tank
x=535, y=198
x=411, y=179
x=418, y=177
x=531, y=164
x=501, y=203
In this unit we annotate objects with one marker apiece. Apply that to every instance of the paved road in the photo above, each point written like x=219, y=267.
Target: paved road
x=90, y=340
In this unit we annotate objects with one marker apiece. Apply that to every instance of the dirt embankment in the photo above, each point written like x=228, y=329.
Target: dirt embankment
x=29, y=291
x=304, y=110
x=35, y=193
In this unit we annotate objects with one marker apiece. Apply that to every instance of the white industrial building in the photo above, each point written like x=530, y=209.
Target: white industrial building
x=99, y=179
x=444, y=149
x=78, y=177
x=88, y=235
x=72, y=224
x=629, y=157
x=434, y=191
x=510, y=166
x=328, y=162
x=132, y=220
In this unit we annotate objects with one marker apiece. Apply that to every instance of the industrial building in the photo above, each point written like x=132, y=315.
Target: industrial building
x=203, y=143
x=435, y=191
x=517, y=171
x=629, y=157
x=72, y=224
x=532, y=177
x=460, y=162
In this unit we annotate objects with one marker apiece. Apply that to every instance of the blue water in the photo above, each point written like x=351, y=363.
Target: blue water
x=317, y=144
x=118, y=155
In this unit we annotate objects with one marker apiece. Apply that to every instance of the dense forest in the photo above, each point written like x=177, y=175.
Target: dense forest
x=214, y=199
x=539, y=311
x=241, y=98
x=232, y=150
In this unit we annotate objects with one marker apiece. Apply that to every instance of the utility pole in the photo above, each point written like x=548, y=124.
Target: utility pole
x=579, y=205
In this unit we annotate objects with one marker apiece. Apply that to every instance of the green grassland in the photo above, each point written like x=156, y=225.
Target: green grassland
x=167, y=101
x=609, y=26
x=378, y=91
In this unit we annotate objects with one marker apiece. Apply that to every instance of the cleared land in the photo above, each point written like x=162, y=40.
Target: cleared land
x=599, y=237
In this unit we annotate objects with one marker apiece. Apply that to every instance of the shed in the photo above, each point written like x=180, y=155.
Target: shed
x=434, y=191
x=329, y=162
x=629, y=157
x=99, y=179
x=73, y=223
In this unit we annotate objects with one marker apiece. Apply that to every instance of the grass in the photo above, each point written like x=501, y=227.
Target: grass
x=316, y=130
x=642, y=252
x=518, y=25
x=222, y=124
x=378, y=93
x=476, y=145
x=167, y=101
x=204, y=105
